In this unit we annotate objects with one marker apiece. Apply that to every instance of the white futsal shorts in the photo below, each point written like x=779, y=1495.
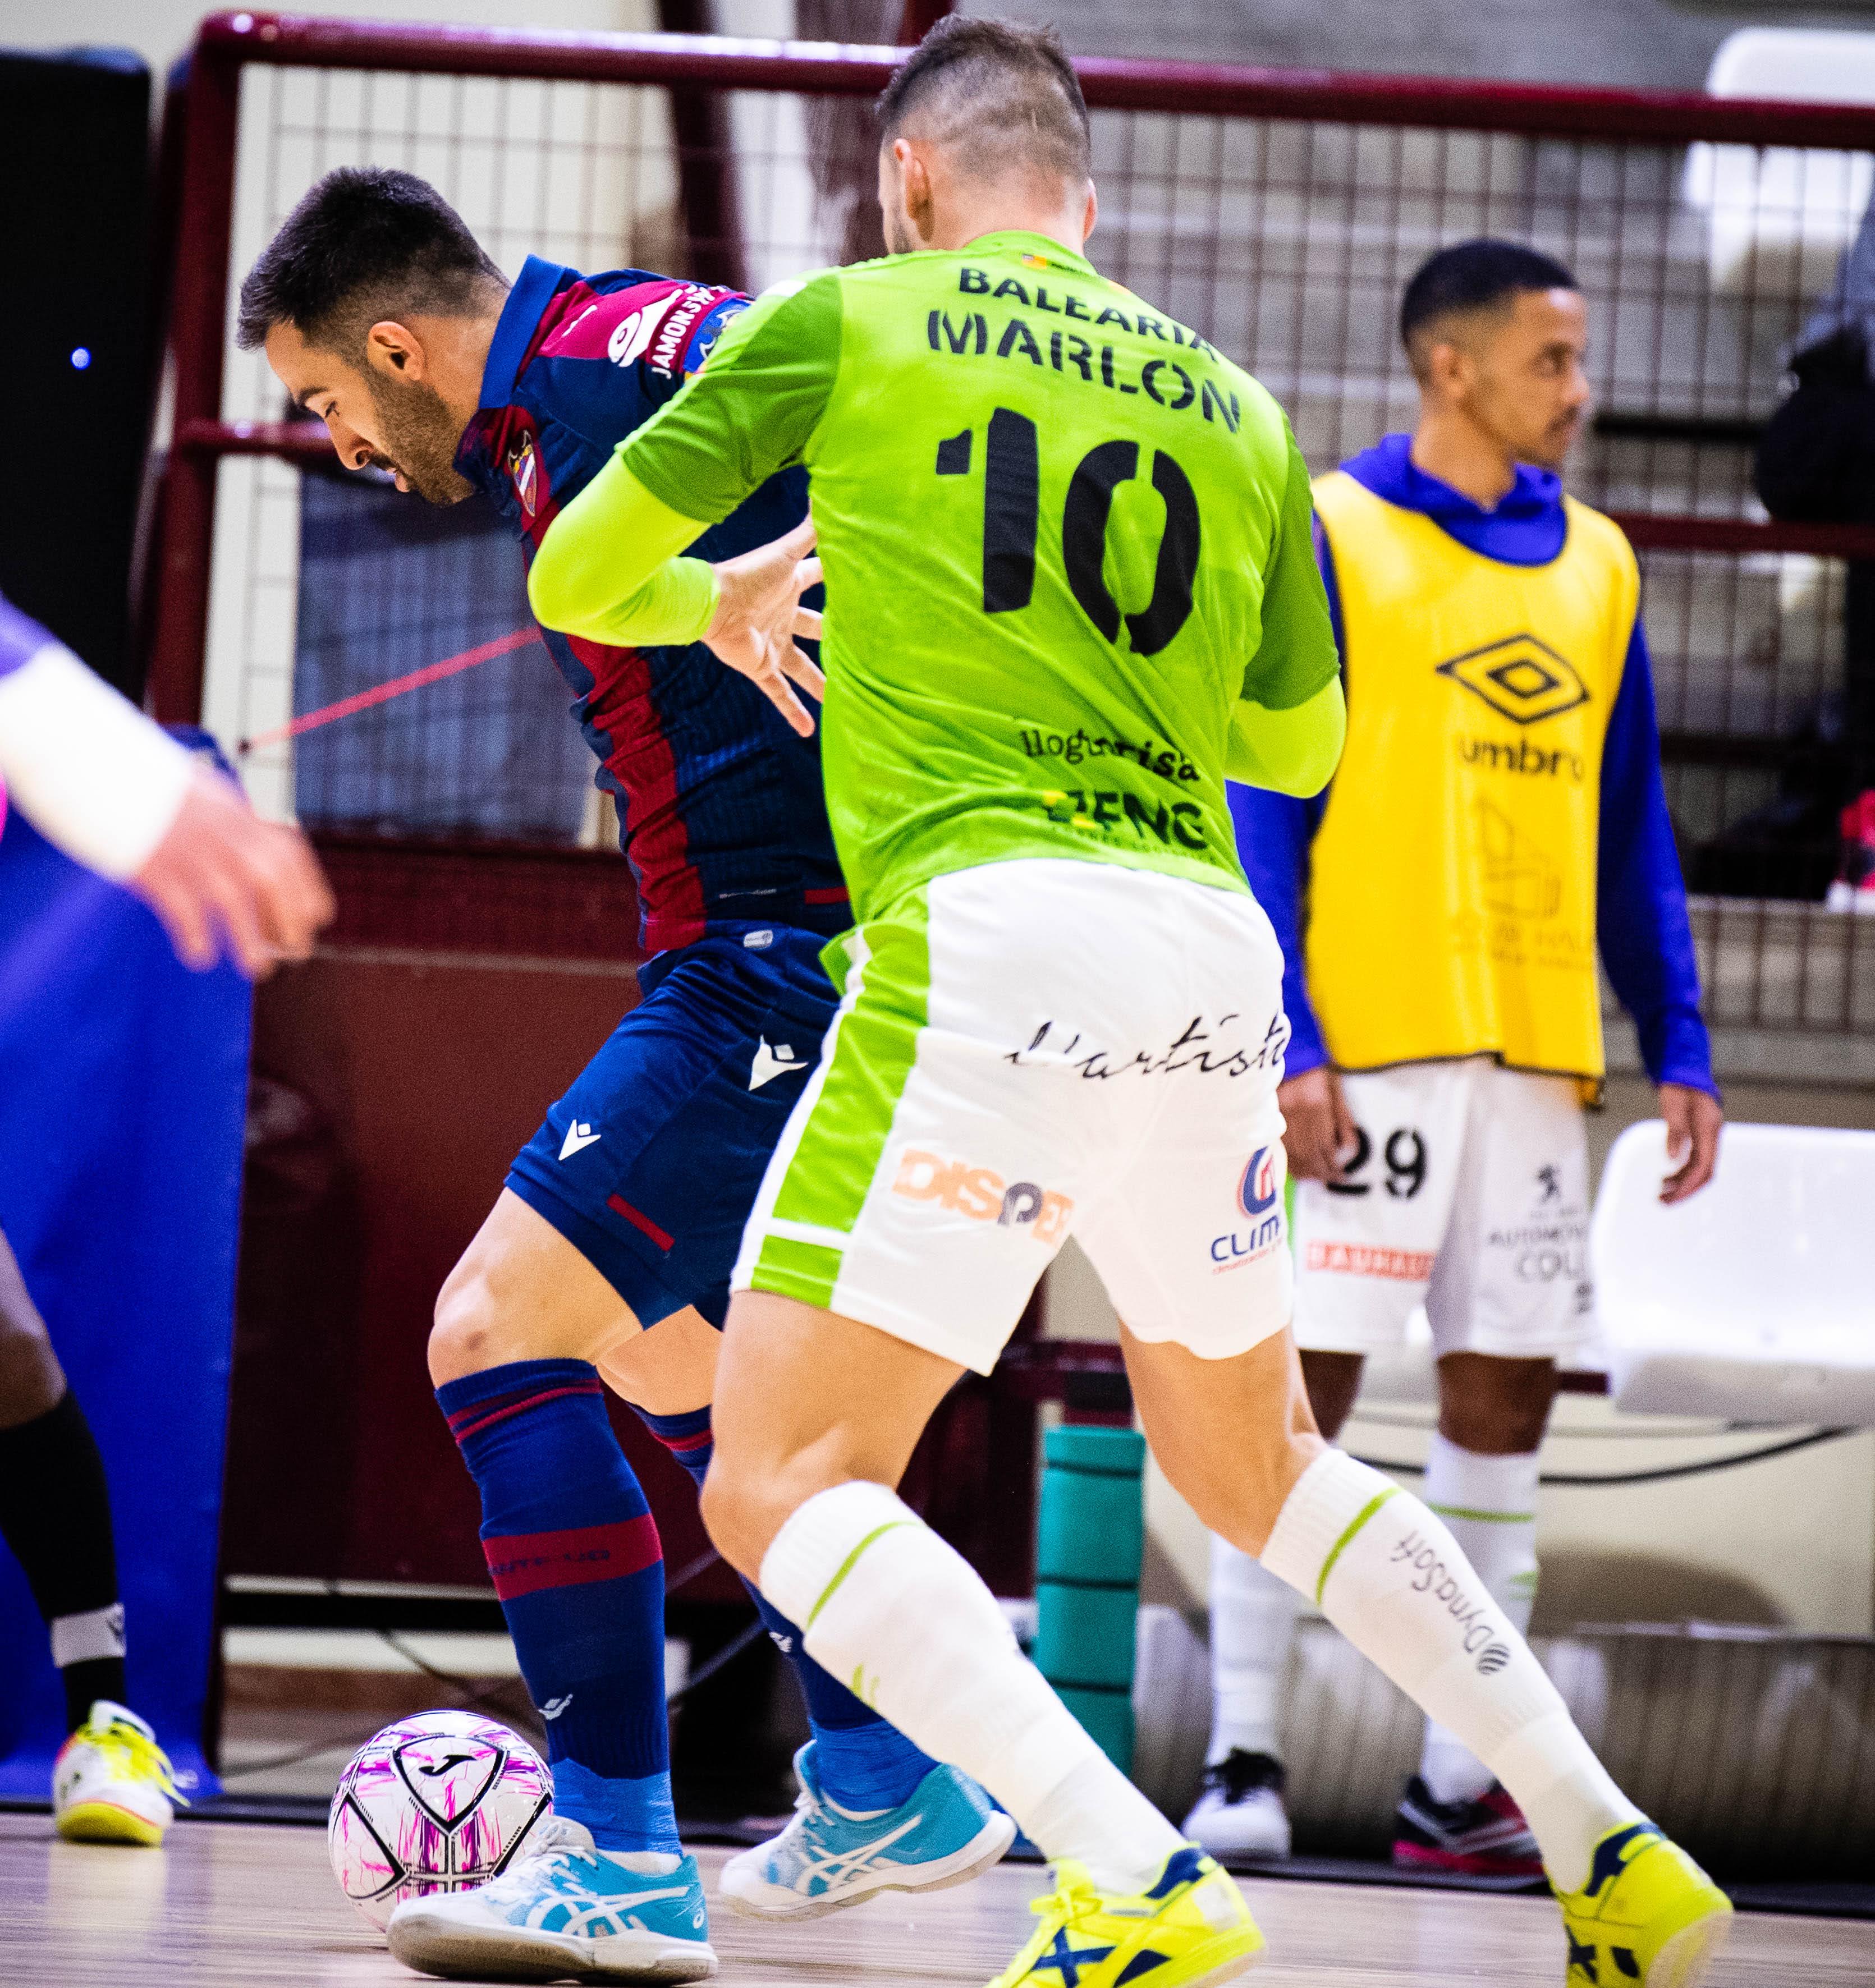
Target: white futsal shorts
x=1031, y=1049
x=1469, y=1192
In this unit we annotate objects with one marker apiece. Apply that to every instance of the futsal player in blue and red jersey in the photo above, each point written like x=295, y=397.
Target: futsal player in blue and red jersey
x=609, y=1252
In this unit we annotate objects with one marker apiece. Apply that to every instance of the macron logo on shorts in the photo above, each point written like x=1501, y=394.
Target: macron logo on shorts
x=578, y=1138
x=773, y=1060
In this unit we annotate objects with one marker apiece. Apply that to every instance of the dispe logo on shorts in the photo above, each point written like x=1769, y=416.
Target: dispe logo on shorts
x=981, y=1195
x=1258, y=1193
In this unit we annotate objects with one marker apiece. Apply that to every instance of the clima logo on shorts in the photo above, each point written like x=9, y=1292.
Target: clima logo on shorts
x=1257, y=1193
x=982, y=1194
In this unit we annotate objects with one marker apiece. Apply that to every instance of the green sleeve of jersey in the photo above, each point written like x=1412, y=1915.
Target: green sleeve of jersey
x=1294, y=752
x=751, y=410
x=608, y=568
x=1297, y=655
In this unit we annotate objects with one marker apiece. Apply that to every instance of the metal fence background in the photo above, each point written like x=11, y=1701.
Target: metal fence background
x=1278, y=217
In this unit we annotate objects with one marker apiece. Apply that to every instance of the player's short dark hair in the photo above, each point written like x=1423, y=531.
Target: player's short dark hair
x=1009, y=92
x=1481, y=274
x=368, y=242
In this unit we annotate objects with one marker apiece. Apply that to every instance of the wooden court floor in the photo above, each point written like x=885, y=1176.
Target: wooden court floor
x=242, y=1905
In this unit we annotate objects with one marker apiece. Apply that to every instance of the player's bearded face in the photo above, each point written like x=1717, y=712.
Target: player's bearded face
x=417, y=437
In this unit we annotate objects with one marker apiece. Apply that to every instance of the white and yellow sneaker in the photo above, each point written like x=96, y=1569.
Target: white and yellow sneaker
x=112, y=1782
x=1191, y=1930
x=1647, y=1914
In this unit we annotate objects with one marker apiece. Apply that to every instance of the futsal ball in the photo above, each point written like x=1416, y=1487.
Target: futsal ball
x=440, y=1802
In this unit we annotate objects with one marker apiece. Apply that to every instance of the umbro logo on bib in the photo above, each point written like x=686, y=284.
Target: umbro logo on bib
x=1520, y=678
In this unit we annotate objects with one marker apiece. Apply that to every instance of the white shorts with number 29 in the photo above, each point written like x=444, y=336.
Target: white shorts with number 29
x=1468, y=1191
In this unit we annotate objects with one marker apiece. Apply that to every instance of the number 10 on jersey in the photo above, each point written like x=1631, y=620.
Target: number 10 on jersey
x=1012, y=519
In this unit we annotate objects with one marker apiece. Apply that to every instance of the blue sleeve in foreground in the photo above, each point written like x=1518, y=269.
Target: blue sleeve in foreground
x=1273, y=834
x=1646, y=938
x=20, y=638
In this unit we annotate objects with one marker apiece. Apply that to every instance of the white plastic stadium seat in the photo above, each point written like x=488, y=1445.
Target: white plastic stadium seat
x=1753, y=1300
x=1783, y=212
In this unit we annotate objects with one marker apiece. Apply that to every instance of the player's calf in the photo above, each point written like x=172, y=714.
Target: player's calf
x=576, y=1563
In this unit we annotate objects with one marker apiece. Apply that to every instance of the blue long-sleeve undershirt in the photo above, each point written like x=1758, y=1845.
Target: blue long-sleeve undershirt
x=1641, y=924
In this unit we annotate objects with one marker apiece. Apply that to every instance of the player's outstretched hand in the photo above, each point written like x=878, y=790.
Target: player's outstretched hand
x=1694, y=1119
x=1318, y=1126
x=758, y=616
x=222, y=880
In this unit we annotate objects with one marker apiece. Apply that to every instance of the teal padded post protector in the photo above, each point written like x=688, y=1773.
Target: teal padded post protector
x=1090, y=1540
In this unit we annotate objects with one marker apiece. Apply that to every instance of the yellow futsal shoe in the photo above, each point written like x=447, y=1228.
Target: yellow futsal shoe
x=1192, y=1928
x=1647, y=1914
x=112, y=1782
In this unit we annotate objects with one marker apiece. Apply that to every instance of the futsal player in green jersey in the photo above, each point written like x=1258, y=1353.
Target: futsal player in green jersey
x=1069, y=586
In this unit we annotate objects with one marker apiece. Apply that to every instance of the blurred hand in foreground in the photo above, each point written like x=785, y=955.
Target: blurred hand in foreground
x=1320, y=1129
x=225, y=882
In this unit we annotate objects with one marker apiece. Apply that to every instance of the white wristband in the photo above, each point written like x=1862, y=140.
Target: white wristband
x=84, y=766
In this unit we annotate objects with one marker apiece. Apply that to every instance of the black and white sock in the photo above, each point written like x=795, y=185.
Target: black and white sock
x=54, y=1513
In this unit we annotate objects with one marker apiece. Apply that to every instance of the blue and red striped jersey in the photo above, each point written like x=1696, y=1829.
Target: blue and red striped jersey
x=720, y=805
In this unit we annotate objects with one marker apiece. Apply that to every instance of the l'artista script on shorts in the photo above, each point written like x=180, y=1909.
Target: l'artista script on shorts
x=1212, y=1049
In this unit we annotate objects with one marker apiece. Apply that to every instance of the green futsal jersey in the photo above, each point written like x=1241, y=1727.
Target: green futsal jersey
x=1067, y=548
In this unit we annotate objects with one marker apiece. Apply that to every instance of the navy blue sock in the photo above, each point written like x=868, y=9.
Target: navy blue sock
x=863, y=1764
x=574, y=1551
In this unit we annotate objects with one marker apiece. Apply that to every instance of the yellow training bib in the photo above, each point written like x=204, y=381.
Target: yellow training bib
x=1452, y=900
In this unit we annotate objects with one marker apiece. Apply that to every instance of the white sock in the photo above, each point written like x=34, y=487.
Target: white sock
x=1489, y=1505
x=1253, y=1629
x=1391, y=1578
x=904, y=1623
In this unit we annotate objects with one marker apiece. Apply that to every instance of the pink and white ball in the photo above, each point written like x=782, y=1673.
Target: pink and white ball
x=440, y=1802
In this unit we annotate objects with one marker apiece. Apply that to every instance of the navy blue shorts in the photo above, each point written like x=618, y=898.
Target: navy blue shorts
x=649, y=1165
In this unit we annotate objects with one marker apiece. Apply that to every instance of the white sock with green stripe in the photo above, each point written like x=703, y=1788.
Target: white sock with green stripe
x=1391, y=1579
x=1489, y=1505
x=903, y=1621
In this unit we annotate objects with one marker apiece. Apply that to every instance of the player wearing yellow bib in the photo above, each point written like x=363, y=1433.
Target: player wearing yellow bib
x=1497, y=812
x=1070, y=584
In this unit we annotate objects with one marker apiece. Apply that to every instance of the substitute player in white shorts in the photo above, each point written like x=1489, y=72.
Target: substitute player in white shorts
x=1466, y=1190
x=1497, y=822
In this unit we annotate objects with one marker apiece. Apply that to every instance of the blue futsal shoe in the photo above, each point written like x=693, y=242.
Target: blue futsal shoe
x=828, y=1856
x=565, y=1909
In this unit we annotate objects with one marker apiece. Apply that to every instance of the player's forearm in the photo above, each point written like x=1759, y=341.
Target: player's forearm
x=610, y=567
x=1289, y=751
x=1642, y=923
x=84, y=766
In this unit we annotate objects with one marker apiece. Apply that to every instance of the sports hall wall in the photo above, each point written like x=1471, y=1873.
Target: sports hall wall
x=399, y=1076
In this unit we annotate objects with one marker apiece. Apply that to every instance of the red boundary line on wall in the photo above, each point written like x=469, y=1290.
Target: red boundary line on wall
x=1647, y=531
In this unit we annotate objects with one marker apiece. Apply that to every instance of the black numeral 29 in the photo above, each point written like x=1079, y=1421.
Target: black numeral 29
x=1405, y=1155
x=1012, y=505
